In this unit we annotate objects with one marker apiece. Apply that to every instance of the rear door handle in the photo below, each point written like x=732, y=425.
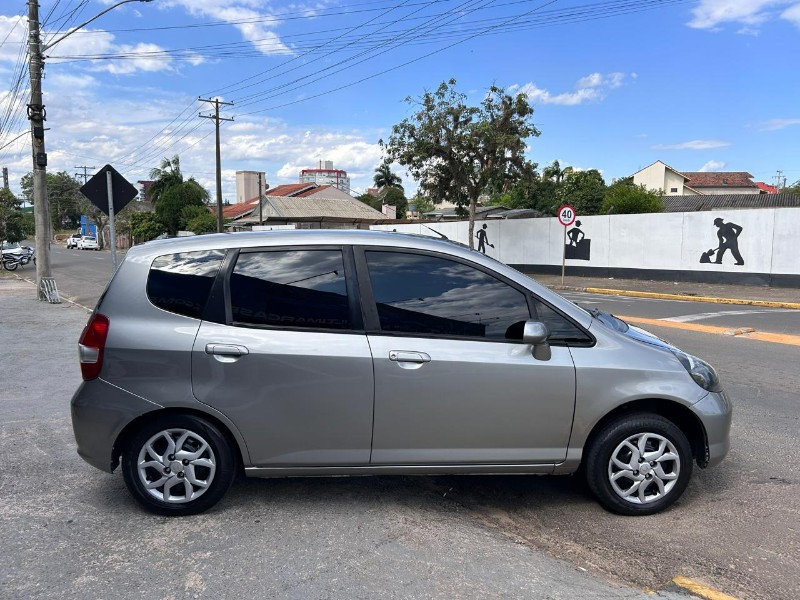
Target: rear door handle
x=226, y=350
x=410, y=357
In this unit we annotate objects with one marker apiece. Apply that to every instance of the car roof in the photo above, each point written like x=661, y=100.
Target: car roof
x=298, y=237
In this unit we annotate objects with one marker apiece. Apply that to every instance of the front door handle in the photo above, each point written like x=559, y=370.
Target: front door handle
x=410, y=357
x=226, y=350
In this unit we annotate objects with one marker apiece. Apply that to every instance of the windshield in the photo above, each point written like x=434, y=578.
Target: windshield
x=608, y=320
x=89, y=239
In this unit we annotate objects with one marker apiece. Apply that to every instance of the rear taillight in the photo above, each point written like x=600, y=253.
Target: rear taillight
x=91, y=346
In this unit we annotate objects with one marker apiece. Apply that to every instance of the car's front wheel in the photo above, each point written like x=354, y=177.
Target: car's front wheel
x=638, y=464
x=178, y=465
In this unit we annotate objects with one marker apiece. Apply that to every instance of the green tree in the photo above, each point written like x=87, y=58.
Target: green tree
x=624, y=198
x=556, y=173
x=370, y=200
x=457, y=152
x=198, y=219
x=395, y=197
x=144, y=226
x=421, y=205
x=11, y=220
x=172, y=202
x=384, y=178
x=584, y=191
x=532, y=192
x=63, y=192
x=164, y=177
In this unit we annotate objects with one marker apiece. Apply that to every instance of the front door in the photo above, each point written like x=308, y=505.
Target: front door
x=291, y=367
x=454, y=383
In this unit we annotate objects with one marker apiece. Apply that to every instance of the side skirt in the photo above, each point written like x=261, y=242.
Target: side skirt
x=545, y=469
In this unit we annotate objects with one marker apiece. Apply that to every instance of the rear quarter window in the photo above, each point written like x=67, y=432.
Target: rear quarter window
x=180, y=283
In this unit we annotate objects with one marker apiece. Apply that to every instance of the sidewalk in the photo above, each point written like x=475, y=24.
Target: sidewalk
x=697, y=292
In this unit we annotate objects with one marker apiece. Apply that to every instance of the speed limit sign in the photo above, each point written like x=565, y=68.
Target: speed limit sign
x=566, y=215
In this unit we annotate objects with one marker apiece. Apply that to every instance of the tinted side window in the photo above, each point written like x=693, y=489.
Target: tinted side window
x=435, y=296
x=561, y=330
x=181, y=282
x=290, y=288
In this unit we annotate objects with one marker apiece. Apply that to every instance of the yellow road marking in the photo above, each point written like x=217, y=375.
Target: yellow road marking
x=700, y=589
x=744, y=332
x=660, y=296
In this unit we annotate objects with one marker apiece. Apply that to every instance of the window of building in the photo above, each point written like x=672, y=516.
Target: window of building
x=673, y=190
x=290, y=288
x=180, y=283
x=435, y=296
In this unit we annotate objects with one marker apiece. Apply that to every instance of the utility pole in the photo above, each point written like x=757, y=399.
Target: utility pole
x=37, y=116
x=260, y=199
x=85, y=173
x=216, y=102
x=778, y=177
x=45, y=285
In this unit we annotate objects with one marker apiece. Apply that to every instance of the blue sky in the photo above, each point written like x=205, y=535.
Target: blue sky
x=616, y=85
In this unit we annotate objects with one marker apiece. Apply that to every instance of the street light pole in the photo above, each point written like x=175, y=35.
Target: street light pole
x=37, y=116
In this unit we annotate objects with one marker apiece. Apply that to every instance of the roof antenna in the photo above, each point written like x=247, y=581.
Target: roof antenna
x=441, y=235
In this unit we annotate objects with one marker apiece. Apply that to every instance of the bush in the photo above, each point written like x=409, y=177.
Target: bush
x=625, y=198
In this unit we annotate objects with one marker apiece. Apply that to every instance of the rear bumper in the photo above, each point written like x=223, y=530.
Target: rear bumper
x=716, y=412
x=100, y=411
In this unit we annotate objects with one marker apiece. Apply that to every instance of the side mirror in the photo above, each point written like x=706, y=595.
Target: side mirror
x=536, y=334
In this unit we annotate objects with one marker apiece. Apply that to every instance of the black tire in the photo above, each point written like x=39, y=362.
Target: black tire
x=660, y=485
x=10, y=265
x=155, y=433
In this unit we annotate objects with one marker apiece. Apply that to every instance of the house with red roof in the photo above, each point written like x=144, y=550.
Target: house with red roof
x=671, y=182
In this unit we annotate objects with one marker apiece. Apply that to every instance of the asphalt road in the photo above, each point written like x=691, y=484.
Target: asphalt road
x=68, y=530
x=737, y=527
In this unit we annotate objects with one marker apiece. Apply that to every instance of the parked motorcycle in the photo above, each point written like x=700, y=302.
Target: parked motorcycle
x=12, y=261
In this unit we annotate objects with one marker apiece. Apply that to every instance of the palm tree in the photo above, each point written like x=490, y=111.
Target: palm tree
x=164, y=177
x=384, y=178
x=554, y=171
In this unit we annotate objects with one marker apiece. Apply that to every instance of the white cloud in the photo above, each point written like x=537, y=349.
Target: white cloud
x=710, y=14
x=16, y=30
x=694, y=145
x=777, y=124
x=245, y=15
x=145, y=57
x=713, y=165
x=792, y=14
x=593, y=87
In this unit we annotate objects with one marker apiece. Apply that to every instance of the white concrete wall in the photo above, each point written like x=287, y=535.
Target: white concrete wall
x=656, y=241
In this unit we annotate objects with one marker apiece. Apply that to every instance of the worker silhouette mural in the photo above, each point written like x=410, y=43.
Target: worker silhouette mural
x=482, y=239
x=728, y=237
x=578, y=245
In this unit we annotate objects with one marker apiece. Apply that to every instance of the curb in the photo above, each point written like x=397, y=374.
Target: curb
x=685, y=297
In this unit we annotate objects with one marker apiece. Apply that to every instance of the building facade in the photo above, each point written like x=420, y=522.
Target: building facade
x=326, y=175
x=247, y=185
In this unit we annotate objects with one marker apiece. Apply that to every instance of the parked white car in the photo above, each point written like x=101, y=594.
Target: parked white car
x=72, y=241
x=88, y=242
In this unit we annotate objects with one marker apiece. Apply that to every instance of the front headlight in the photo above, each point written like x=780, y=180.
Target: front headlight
x=703, y=373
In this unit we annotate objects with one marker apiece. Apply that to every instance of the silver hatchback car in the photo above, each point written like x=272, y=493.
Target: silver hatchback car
x=353, y=353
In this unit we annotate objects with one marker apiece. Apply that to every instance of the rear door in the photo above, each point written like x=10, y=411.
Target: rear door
x=454, y=384
x=289, y=362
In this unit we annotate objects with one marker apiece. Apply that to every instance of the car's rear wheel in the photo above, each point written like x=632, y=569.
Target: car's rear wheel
x=638, y=464
x=178, y=465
